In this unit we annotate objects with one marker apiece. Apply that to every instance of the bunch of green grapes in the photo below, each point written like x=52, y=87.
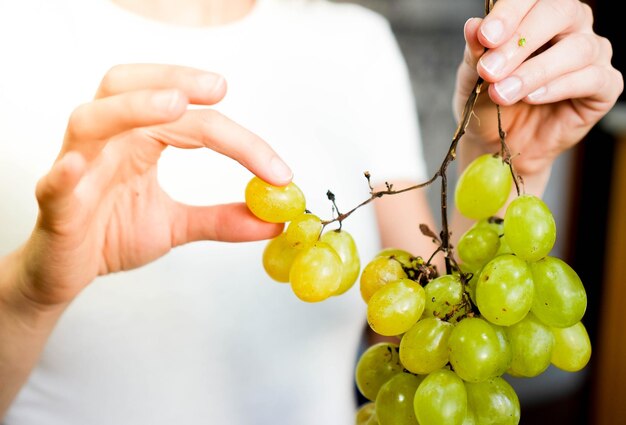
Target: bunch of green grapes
x=506, y=307
x=318, y=264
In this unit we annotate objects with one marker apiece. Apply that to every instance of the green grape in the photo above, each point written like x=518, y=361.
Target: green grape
x=493, y=402
x=278, y=257
x=444, y=298
x=531, y=346
x=343, y=243
x=505, y=350
x=316, y=273
x=572, y=348
x=471, y=285
x=379, y=272
x=497, y=225
x=395, y=307
x=404, y=257
x=441, y=399
x=470, y=417
x=365, y=414
x=504, y=291
x=272, y=203
x=476, y=352
x=378, y=364
x=483, y=187
x=478, y=245
x=394, y=402
x=424, y=347
x=529, y=227
x=304, y=230
x=560, y=299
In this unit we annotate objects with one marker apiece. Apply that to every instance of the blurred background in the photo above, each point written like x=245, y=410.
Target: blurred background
x=586, y=193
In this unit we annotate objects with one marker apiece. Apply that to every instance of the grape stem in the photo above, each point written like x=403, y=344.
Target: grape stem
x=444, y=242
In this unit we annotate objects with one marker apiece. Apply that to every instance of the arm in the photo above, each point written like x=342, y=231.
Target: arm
x=101, y=209
x=552, y=88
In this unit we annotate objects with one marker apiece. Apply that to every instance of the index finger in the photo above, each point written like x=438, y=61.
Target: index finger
x=208, y=128
x=500, y=24
x=201, y=87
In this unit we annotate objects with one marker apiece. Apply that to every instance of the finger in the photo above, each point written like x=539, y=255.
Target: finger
x=466, y=73
x=209, y=128
x=567, y=56
x=228, y=223
x=532, y=34
x=201, y=87
x=500, y=24
x=473, y=48
x=92, y=123
x=55, y=190
x=599, y=86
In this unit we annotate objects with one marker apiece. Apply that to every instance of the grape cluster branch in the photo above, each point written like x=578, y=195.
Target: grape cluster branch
x=444, y=241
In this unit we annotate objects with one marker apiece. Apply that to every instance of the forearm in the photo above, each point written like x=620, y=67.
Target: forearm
x=399, y=217
x=24, y=330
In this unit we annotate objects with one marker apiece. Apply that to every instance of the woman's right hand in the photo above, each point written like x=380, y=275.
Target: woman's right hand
x=101, y=207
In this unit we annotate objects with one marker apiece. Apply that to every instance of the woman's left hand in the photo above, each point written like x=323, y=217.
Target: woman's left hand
x=549, y=71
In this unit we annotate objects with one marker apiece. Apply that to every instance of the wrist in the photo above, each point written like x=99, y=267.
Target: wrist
x=15, y=299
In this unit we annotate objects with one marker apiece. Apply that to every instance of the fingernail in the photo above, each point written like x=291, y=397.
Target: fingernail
x=166, y=100
x=509, y=88
x=493, y=30
x=210, y=83
x=537, y=94
x=493, y=62
x=280, y=169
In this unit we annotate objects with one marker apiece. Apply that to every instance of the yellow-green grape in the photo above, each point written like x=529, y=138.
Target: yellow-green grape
x=343, y=243
x=365, y=414
x=444, y=298
x=529, y=228
x=394, y=402
x=471, y=285
x=470, y=417
x=304, y=230
x=278, y=257
x=377, y=365
x=478, y=246
x=424, y=347
x=504, y=291
x=572, y=348
x=395, y=307
x=505, y=350
x=441, y=399
x=493, y=402
x=531, y=346
x=560, y=299
x=377, y=273
x=404, y=257
x=273, y=203
x=316, y=273
x=475, y=350
x=497, y=225
x=483, y=187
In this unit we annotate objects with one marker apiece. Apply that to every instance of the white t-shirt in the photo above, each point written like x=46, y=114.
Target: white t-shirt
x=203, y=335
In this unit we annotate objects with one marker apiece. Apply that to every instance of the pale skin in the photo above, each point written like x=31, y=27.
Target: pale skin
x=101, y=196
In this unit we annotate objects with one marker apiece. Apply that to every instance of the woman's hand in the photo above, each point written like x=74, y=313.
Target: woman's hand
x=101, y=207
x=548, y=70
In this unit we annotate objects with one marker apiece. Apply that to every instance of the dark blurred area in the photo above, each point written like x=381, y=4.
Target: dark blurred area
x=587, y=195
